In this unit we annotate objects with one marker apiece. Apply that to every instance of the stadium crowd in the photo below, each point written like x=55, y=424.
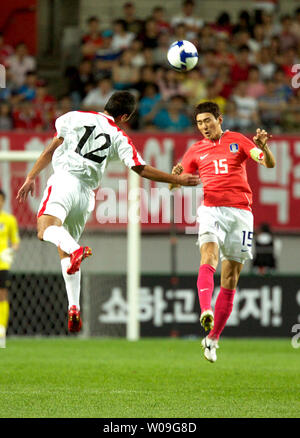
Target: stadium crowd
x=245, y=66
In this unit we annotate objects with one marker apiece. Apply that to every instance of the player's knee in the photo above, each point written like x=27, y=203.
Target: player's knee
x=210, y=258
x=40, y=234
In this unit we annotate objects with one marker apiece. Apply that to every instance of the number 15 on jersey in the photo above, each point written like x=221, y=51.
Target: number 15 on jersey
x=221, y=166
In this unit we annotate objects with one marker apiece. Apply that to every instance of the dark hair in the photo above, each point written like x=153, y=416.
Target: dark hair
x=120, y=103
x=91, y=19
x=208, y=107
x=2, y=194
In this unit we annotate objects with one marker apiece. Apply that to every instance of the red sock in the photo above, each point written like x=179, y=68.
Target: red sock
x=223, y=309
x=205, y=285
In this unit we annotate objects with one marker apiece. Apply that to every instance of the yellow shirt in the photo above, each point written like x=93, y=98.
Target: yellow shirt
x=9, y=235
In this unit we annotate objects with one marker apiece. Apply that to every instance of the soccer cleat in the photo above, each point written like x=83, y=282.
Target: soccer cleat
x=2, y=336
x=207, y=319
x=76, y=258
x=209, y=346
x=74, y=320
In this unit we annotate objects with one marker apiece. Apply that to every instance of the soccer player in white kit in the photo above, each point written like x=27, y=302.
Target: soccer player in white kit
x=84, y=144
x=225, y=216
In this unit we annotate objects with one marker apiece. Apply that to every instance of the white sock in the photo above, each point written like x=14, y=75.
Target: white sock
x=61, y=238
x=72, y=283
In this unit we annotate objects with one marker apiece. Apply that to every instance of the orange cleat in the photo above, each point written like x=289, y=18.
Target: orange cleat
x=74, y=320
x=76, y=258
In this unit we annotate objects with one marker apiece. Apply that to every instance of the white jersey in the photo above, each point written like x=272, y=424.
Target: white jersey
x=91, y=140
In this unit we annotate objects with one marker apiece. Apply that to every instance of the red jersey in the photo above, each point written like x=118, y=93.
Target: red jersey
x=221, y=165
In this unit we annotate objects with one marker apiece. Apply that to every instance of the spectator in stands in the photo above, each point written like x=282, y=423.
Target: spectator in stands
x=92, y=40
x=180, y=32
x=138, y=56
x=78, y=80
x=208, y=65
x=44, y=103
x=291, y=116
x=212, y=95
x=223, y=53
x=258, y=39
x=20, y=63
x=231, y=118
x=26, y=117
x=124, y=74
x=150, y=34
x=271, y=107
x=283, y=84
x=255, y=86
x=173, y=117
x=247, y=108
x=6, y=123
x=274, y=50
x=133, y=23
x=295, y=29
x=206, y=39
x=148, y=102
x=194, y=87
x=27, y=91
x=189, y=17
x=265, y=64
x=223, y=26
x=98, y=96
x=158, y=15
x=243, y=23
x=289, y=59
x=6, y=50
x=223, y=81
x=169, y=84
x=121, y=39
x=286, y=36
x=7, y=92
x=161, y=51
x=240, y=69
x=106, y=57
x=271, y=28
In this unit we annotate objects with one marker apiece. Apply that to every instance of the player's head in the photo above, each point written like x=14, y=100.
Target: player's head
x=2, y=199
x=121, y=106
x=209, y=120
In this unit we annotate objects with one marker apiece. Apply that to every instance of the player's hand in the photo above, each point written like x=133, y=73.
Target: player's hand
x=177, y=170
x=187, y=179
x=27, y=187
x=261, y=138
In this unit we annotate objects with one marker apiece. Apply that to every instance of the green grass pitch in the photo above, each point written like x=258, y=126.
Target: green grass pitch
x=151, y=378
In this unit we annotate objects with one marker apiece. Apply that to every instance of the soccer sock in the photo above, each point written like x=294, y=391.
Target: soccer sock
x=205, y=285
x=72, y=283
x=4, y=313
x=223, y=309
x=61, y=238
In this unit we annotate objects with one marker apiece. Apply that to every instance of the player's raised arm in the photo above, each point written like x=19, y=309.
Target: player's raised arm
x=40, y=164
x=260, y=139
x=154, y=174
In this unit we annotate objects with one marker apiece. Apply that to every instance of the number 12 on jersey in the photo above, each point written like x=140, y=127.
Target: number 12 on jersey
x=221, y=166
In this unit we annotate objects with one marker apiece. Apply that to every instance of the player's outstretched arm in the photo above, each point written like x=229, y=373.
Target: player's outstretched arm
x=260, y=139
x=154, y=174
x=40, y=164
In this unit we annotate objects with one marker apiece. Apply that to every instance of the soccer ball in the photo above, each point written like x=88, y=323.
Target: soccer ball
x=182, y=55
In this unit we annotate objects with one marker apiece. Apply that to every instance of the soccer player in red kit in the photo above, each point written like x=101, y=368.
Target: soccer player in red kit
x=225, y=216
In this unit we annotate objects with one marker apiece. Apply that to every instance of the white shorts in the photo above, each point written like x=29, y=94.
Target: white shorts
x=68, y=199
x=231, y=228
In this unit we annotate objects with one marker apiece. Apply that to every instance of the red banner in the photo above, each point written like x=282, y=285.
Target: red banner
x=276, y=192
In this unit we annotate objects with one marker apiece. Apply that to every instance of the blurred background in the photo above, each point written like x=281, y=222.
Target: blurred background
x=73, y=54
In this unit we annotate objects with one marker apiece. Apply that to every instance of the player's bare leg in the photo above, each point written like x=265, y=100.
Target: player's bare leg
x=209, y=261
x=72, y=283
x=50, y=229
x=4, y=313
